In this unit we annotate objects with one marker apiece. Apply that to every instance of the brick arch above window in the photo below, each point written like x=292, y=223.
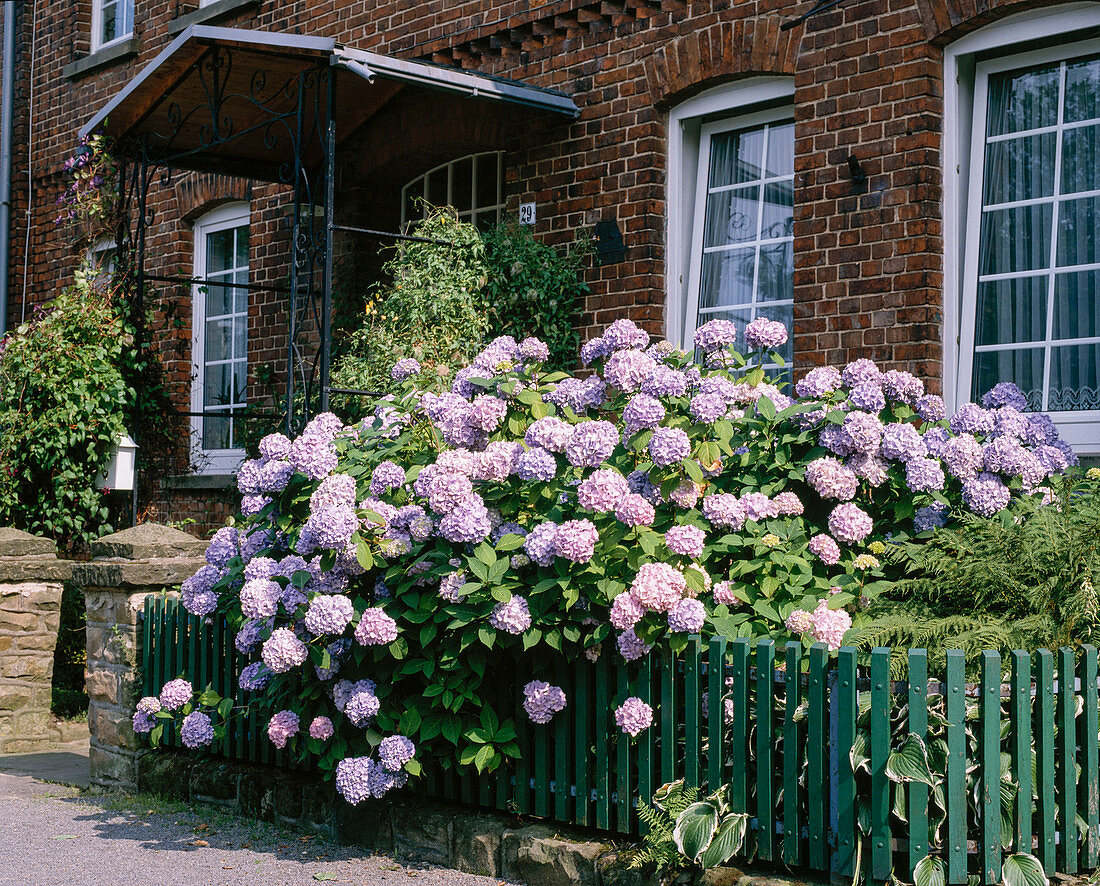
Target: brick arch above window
x=948, y=20
x=198, y=193
x=723, y=52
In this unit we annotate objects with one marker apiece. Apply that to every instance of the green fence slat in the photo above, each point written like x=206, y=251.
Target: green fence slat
x=643, y=689
x=1020, y=711
x=1044, y=742
x=1088, y=789
x=989, y=774
x=881, y=861
x=147, y=623
x=542, y=770
x=765, y=763
x=563, y=731
x=792, y=755
x=739, y=729
x=624, y=768
x=847, y=712
x=507, y=700
x=955, y=793
x=668, y=712
x=521, y=792
x=582, y=698
x=716, y=712
x=604, y=723
x=692, y=709
x=916, y=794
x=817, y=758
x=217, y=670
x=1066, y=762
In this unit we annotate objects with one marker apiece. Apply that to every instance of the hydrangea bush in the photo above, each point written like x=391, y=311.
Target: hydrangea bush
x=385, y=578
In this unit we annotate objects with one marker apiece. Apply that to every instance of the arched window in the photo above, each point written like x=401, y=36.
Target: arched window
x=219, y=346
x=731, y=184
x=472, y=185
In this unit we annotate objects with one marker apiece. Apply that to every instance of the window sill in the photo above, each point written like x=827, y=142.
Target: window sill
x=108, y=55
x=208, y=13
x=201, y=481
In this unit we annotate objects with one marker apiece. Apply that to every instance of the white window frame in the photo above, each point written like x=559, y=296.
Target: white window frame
x=420, y=183
x=209, y=461
x=965, y=96
x=685, y=132
x=97, y=23
x=105, y=246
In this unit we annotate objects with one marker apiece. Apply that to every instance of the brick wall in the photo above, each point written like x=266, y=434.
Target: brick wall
x=867, y=75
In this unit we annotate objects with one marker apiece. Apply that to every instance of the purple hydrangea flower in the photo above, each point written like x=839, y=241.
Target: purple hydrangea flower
x=534, y=350
x=707, y=408
x=963, y=456
x=624, y=334
x=668, y=446
x=223, y=547
x=386, y=476
x=859, y=372
x=757, y=506
x=626, y=370
x=985, y=494
x=512, y=617
x=579, y=394
x=275, y=475
x=282, y=727
x=642, y=412
x=549, y=433
x=328, y=614
x=313, y=455
x=819, y=382
x=932, y=516
x=404, y=368
x=395, y=751
x=825, y=548
x=687, y=541
x=254, y=677
x=971, y=419
x=497, y=461
x=931, y=407
x=541, y=701
x=321, y=728
x=901, y=441
x=902, y=386
x=249, y=635
x=724, y=509
x=687, y=616
x=630, y=645
x=788, y=504
x=831, y=479
x=862, y=432
x=634, y=509
x=468, y=523
x=665, y=381
x=868, y=467
x=375, y=628
x=592, y=443
x=849, y=523
x=594, y=349
x=361, y=706
x=625, y=611
x=574, y=540
x=634, y=716
x=867, y=396
x=1005, y=393
x=715, y=334
x=601, y=490
x=175, y=694
x=196, y=731
x=275, y=446
x=260, y=598
x=763, y=334
x=283, y=651
x=248, y=478
x=924, y=474
x=536, y=464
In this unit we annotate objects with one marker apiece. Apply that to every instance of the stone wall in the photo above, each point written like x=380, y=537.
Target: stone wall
x=125, y=569
x=31, y=581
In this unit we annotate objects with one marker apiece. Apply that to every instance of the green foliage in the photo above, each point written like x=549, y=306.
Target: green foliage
x=534, y=288
x=433, y=309
x=658, y=847
x=70, y=696
x=63, y=400
x=1023, y=579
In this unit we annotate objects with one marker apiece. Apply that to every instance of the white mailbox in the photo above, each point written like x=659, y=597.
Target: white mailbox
x=120, y=470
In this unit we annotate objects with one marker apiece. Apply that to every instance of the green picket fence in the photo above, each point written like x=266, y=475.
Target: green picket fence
x=783, y=747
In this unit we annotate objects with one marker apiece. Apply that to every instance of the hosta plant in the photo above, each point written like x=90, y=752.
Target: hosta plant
x=385, y=578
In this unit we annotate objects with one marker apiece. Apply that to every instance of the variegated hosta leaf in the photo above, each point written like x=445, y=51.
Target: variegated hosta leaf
x=694, y=828
x=910, y=762
x=1022, y=869
x=727, y=841
x=930, y=871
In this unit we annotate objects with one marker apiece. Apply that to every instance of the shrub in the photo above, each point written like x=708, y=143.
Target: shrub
x=381, y=575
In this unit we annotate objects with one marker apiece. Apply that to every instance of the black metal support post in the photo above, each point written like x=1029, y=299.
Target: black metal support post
x=326, y=274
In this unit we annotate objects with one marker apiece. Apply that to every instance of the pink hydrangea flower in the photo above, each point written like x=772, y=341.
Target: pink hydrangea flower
x=633, y=716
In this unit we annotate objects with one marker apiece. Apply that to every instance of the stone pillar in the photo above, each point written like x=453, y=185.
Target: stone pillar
x=31, y=580
x=125, y=568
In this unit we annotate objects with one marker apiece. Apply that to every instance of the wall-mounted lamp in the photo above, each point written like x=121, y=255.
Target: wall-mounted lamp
x=610, y=247
x=859, y=177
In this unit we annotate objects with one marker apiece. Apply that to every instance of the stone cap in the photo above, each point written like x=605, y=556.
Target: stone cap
x=17, y=543
x=148, y=541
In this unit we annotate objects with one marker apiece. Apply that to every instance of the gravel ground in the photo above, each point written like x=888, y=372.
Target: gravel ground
x=54, y=835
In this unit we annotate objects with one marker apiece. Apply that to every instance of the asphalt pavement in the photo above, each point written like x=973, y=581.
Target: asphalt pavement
x=58, y=835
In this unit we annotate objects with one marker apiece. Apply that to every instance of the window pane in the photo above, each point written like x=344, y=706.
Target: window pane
x=1019, y=168
x=240, y=296
x=1074, y=378
x=437, y=187
x=1012, y=310
x=778, y=220
x=1083, y=90
x=732, y=216
x=727, y=278
x=240, y=381
x=785, y=315
x=462, y=184
x=1078, y=228
x=1021, y=100
x=219, y=252
x=215, y=432
x=242, y=246
x=781, y=150
x=775, y=277
x=219, y=340
x=1080, y=156
x=736, y=156
x=240, y=327
x=1015, y=239
x=1024, y=367
x=488, y=179
x=217, y=389
x=1077, y=305
x=219, y=300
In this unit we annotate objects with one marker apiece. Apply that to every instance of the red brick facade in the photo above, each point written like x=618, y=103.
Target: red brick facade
x=868, y=82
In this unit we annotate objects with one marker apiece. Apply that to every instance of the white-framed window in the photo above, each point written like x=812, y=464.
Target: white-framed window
x=472, y=185
x=103, y=259
x=730, y=197
x=112, y=20
x=1025, y=201
x=219, y=346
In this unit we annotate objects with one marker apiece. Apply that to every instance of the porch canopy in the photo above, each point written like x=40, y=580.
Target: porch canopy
x=279, y=108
